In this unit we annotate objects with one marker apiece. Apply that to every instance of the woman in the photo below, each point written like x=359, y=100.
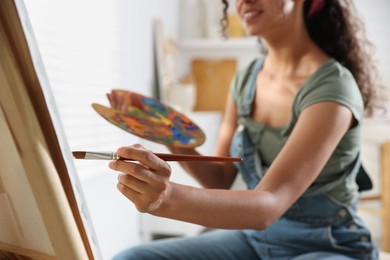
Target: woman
x=294, y=115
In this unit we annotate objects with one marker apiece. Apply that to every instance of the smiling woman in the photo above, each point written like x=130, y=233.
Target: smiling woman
x=295, y=115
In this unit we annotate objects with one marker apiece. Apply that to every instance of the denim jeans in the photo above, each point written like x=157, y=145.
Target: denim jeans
x=232, y=245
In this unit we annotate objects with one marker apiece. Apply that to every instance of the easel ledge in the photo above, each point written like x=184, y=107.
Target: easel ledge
x=6, y=250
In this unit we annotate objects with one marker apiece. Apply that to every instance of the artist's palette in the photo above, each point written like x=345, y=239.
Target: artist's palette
x=148, y=118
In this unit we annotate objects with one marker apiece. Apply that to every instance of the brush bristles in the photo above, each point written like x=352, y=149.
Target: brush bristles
x=79, y=155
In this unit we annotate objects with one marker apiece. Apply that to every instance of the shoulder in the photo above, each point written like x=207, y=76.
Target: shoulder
x=331, y=82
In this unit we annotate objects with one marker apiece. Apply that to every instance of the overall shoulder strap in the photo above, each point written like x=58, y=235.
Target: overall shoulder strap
x=245, y=105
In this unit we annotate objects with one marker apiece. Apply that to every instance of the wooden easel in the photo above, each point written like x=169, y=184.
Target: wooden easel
x=385, y=195
x=40, y=207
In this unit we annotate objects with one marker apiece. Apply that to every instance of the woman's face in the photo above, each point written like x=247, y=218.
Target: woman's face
x=260, y=17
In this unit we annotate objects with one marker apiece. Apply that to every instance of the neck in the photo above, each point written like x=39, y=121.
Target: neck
x=290, y=49
x=285, y=55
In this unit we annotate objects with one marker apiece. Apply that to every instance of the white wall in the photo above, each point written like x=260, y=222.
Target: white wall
x=88, y=48
x=376, y=131
x=375, y=14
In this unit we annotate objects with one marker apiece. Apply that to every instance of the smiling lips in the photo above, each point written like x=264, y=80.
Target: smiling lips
x=249, y=16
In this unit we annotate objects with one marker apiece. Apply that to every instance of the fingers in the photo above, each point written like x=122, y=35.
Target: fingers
x=140, y=186
x=145, y=157
x=121, y=106
x=117, y=101
x=131, y=182
x=110, y=99
x=144, y=202
x=140, y=182
x=129, y=193
x=132, y=195
x=113, y=99
x=137, y=171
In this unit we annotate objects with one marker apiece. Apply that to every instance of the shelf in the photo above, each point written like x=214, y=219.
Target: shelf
x=218, y=44
x=244, y=50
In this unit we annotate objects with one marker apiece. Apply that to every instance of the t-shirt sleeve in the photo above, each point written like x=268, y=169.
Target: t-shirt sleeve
x=339, y=87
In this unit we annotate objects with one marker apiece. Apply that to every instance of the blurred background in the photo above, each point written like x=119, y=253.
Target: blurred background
x=172, y=50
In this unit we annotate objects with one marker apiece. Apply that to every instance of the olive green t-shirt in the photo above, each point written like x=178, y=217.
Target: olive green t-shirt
x=331, y=82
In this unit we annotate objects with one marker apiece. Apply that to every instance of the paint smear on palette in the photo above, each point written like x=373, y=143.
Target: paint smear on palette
x=148, y=118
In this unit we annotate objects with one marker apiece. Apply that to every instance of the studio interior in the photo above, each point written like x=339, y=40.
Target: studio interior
x=61, y=57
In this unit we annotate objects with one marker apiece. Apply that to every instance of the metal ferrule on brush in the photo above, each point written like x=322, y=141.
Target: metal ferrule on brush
x=101, y=155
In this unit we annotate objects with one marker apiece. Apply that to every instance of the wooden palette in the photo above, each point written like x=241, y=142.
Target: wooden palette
x=149, y=119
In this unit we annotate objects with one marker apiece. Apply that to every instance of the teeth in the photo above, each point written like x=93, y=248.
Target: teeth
x=249, y=14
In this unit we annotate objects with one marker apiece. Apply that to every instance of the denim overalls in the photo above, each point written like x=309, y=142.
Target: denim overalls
x=316, y=222
x=317, y=226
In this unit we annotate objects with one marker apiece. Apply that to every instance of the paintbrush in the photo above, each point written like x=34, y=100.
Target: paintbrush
x=165, y=156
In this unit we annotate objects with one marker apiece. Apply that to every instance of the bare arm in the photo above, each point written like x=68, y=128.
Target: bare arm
x=317, y=133
x=209, y=174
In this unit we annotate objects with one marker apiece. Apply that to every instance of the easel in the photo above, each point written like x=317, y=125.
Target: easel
x=40, y=202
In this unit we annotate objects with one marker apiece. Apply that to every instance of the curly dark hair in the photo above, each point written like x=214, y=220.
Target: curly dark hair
x=339, y=32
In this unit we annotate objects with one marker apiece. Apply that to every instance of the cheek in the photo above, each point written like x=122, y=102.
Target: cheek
x=288, y=7
x=284, y=8
x=239, y=4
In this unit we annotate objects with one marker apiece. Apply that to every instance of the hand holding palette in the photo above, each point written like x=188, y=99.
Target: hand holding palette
x=149, y=119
